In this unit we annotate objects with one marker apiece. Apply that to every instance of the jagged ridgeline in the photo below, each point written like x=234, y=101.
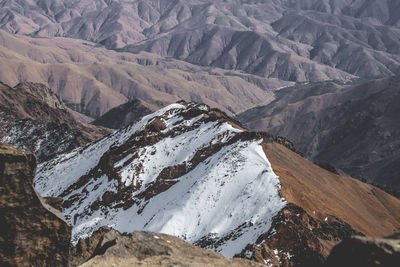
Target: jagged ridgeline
x=34, y=233
x=174, y=171
x=193, y=172
x=34, y=118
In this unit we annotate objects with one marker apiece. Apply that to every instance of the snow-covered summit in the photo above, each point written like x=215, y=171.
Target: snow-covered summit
x=185, y=170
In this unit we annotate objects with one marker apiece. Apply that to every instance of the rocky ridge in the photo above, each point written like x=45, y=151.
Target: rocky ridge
x=366, y=251
x=297, y=239
x=174, y=170
x=107, y=247
x=135, y=169
x=35, y=119
x=34, y=233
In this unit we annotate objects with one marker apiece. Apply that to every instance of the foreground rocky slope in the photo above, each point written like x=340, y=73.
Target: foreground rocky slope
x=193, y=172
x=30, y=234
x=353, y=127
x=107, y=247
x=35, y=119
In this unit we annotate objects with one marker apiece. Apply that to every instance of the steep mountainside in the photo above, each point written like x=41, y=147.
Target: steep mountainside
x=92, y=80
x=193, y=172
x=35, y=119
x=30, y=233
x=286, y=39
x=149, y=177
x=33, y=233
x=355, y=128
x=123, y=115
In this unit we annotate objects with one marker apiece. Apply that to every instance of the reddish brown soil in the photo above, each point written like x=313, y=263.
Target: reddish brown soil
x=322, y=194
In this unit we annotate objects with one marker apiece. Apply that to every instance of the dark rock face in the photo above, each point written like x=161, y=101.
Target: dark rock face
x=364, y=251
x=35, y=119
x=124, y=114
x=297, y=239
x=30, y=234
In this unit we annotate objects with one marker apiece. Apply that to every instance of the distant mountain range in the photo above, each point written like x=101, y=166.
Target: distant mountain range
x=290, y=40
x=353, y=127
x=92, y=80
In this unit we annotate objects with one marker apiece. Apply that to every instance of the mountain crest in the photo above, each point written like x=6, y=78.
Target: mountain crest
x=204, y=159
x=191, y=171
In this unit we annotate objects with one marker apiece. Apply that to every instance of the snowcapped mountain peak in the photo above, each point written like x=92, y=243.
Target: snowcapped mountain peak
x=185, y=170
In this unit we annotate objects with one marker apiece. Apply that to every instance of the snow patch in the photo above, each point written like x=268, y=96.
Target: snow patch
x=231, y=196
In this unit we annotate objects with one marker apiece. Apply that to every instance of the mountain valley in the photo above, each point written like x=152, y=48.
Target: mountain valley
x=200, y=133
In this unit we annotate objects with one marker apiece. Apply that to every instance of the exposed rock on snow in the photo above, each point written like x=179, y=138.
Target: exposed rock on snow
x=33, y=118
x=184, y=170
x=193, y=172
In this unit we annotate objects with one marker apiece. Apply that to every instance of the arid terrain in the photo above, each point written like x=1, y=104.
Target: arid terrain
x=355, y=127
x=200, y=133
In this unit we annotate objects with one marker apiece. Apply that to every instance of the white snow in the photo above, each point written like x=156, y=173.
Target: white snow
x=248, y=254
x=288, y=255
x=232, y=196
x=172, y=151
x=80, y=161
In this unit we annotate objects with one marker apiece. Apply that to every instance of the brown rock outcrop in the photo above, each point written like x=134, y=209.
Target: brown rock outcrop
x=107, y=247
x=30, y=235
x=297, y=239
